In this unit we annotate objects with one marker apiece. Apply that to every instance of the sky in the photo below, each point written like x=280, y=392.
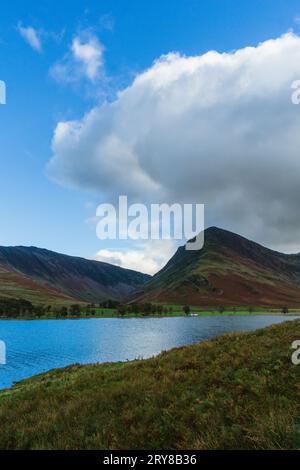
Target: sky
x=182, y=101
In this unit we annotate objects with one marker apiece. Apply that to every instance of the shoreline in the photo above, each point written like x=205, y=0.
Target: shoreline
x=174, y=315
x=95, y=394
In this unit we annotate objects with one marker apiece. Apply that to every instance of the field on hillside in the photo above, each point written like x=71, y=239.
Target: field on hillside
x=240, y=391
x=54, y=311
x=178, y=310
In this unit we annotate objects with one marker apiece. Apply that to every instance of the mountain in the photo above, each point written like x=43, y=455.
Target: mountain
x=41, y=275
x=229, y=270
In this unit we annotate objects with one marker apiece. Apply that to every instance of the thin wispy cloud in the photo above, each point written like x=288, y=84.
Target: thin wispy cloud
x=107, y=22
x=31, y=36
x=89, y=55
x=297, y=20
x=83, y=61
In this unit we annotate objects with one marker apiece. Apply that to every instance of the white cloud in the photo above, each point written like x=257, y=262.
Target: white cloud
x=89, y=54
x=148, y=257
x=31, y=36
x=218, y=129
x=84, y=60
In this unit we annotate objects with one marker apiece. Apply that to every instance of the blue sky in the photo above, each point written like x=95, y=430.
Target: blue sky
x=35, y=210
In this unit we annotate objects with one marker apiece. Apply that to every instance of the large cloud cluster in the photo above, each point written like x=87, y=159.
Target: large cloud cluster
x=218, y=129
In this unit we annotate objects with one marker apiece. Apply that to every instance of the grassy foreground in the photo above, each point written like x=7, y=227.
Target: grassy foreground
x=236, y=391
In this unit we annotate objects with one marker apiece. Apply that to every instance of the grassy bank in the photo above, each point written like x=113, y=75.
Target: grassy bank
x=236, y=391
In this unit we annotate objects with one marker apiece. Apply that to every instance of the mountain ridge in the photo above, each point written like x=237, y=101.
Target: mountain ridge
x=228, y=270
x=33, y=272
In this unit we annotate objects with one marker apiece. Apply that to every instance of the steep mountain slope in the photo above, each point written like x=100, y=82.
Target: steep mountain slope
x=39, y=274
x=16, y=285
x=229, y=270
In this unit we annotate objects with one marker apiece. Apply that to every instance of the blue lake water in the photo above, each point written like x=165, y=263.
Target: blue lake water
x=37, y=346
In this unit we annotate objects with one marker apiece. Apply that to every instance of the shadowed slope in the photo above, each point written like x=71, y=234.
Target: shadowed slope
x=30, y=272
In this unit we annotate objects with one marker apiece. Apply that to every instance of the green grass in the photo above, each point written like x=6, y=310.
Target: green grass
x=240, y=391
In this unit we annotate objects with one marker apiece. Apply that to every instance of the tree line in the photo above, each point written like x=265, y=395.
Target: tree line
x=13, y=308
x=18, y=308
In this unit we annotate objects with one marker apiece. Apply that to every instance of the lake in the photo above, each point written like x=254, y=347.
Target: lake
x=40, y=345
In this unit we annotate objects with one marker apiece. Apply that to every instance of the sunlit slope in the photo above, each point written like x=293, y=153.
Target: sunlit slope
x=229, y=270
x=15, y=285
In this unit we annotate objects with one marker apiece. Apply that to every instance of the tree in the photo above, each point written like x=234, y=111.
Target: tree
x=147, y=309
x=159, y=309
x=63, y=311
x=186, y=309
x=135, y=308
x=122, y=310
x=75, y=309
x=109, y=303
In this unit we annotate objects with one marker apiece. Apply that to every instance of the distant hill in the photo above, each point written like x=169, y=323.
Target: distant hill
x=229, y=270
x=41, y=275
